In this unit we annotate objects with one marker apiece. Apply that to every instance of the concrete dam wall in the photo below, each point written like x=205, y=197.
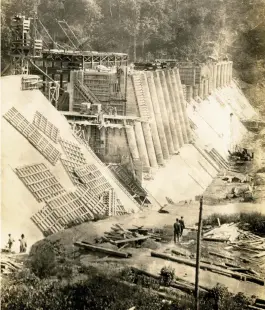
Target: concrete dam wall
x=184, y=132
x=50, y=179
x=173, y=140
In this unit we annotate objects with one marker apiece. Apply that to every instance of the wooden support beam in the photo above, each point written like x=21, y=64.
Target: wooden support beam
x=220, y=255
x=131, y=240
x=224, y=272
x=102, y=250
x=215, y=239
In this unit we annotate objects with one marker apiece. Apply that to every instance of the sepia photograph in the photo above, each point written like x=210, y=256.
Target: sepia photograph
x=132, y=155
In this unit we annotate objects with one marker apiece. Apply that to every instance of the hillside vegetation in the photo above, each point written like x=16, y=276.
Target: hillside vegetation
x=148, y=29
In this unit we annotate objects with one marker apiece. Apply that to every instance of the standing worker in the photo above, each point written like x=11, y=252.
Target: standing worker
x=23, y=244
x=10, y=242
x=182, y=226
x=177, y=230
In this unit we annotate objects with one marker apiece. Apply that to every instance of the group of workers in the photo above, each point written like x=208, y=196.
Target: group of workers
x=178, y=226
x=22, y=243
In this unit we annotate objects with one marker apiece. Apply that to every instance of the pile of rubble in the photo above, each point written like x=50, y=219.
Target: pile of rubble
x=250, y=247
x=8, y=265
x=121, y=238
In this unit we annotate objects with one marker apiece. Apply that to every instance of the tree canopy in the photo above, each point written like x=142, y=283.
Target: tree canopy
x=148, y=29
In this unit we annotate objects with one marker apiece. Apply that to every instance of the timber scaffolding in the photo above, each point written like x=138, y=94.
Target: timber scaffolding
x=201, y=80
x=156, y=124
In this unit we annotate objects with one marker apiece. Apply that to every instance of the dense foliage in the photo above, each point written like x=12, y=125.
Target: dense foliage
x=254, y=221
x=148, y=29
x=101, y=292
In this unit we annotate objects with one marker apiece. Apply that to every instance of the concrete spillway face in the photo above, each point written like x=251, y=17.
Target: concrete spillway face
x=149, y=144
x=183, y=106
x=158, y=117
x=174, y=98
x=163, y=111
x=132, y=142
x=153, y=127
x=172, y=125
x=178, y=106
x=141, y=146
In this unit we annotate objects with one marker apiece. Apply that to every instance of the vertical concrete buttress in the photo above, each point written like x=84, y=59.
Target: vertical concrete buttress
x=189, y=93
x=195, y=92
x=153, y=126
x=149, y=144
x=218, y=79
x=172, y=125
x=162, y=105
x=141, y=144
x=173, y=100
x=178, y=106
x=210, y=82
x=206, y=88
x=132, y=142
x=214, y=77
x=225, y=73
x=231, y=72
x=183, y=106
x=158, y=117
x=87, y=132
x=222, y=74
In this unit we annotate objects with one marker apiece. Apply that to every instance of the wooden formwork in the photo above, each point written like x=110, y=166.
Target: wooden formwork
x=40, y=181
x=73, y=151
x=70, y=166
x=33, y=135
x=99, y=84
x=42, y=123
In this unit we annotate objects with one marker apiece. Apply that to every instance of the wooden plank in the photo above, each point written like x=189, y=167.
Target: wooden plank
x=42, y=123
x=73, y=151
x=132, y=240
x=102, y=250
x=40, y=181
x=210, y=268
x=220, y=255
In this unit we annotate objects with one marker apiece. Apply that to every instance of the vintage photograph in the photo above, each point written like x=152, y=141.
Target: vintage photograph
x=132, y=155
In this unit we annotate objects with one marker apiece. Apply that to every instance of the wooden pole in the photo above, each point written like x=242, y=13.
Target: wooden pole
x=198, y=256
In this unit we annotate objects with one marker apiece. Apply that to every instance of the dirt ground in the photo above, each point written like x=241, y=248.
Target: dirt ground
x=141, y=257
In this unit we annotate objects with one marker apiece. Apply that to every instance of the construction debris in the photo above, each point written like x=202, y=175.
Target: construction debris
x=219, y=270
x=8, y=265
x=123, y=237
x=244, y=155
x=94, y=248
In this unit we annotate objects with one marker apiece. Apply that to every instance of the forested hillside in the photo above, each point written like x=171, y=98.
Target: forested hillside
x=149, y=29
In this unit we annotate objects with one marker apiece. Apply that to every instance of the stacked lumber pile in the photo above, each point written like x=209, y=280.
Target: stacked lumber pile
x=8, y=265
x=231, y=233
x=252, y=248
x=223, y=233
x=123, y=237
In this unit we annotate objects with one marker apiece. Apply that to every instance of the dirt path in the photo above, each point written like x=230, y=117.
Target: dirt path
x=207, y=278
x=150, y=219
x=142, y=257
